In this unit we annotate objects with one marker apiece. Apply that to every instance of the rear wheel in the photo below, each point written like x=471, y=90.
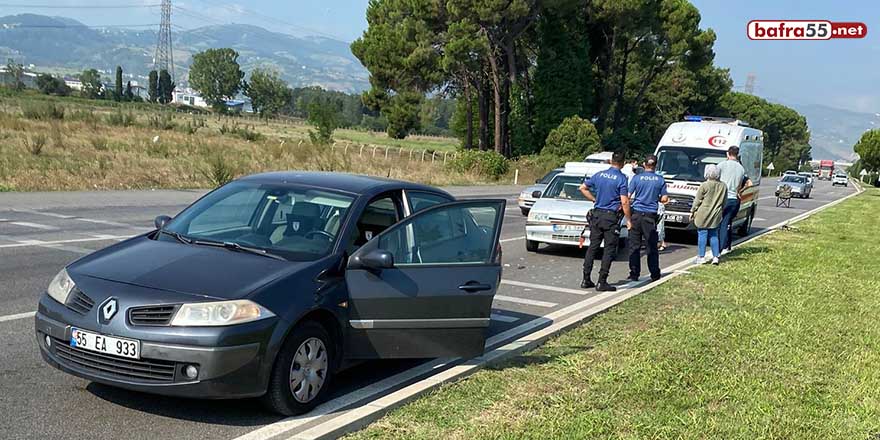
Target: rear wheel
x=302, y=372
x=532, y=245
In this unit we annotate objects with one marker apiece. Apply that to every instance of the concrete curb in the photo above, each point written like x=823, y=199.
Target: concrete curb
x=345, y=419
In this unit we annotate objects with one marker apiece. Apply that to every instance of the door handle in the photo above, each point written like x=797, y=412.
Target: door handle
x=475, y=287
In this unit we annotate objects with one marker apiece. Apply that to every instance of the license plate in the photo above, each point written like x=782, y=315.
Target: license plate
x=672, y=218
x=571, y=228
x=127, y=348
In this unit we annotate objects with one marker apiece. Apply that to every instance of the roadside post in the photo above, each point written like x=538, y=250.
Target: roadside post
x=770, y=169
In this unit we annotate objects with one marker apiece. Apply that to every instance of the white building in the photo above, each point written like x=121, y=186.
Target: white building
x=188, y=96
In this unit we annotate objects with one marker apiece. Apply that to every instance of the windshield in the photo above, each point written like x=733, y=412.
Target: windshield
x=793, y=179
x=295, y=223
x=684, y=163
x=549, y=176
x=565, y=187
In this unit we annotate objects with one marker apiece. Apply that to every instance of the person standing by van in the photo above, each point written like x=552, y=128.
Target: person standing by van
x=647, y=190
x=733, y=175
x=707, y=213
x=610, y=196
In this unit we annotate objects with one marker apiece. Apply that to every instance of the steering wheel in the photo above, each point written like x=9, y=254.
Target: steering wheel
x=325, y=234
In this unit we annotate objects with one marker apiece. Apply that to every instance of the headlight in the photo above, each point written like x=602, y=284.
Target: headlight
x=60, y=287
x=525, y=195
x=212, y=314
x=539, y=217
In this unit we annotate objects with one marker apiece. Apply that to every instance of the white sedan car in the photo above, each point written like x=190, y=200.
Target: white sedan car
x=559, y=217
x=527, y=197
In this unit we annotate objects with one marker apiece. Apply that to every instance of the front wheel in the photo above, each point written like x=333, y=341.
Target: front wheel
x=524, y=211
x=532, y=245
x=302, y=372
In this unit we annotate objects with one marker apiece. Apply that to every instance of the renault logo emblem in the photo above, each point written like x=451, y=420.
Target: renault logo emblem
x=108, y=310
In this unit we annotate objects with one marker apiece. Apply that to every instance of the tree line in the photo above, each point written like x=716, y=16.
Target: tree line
x=518, y=68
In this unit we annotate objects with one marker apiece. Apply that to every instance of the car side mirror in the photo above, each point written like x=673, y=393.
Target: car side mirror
x=161, y=221
x=536, y=194
x=537, y=180
x=376, y=259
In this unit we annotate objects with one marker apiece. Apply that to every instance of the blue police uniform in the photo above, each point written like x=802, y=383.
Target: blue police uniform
x=607, y=187
x=645, y=190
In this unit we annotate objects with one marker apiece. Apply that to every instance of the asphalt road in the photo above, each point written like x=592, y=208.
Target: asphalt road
x=42, y=232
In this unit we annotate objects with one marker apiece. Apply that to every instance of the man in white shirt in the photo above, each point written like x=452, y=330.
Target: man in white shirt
x=734, y=176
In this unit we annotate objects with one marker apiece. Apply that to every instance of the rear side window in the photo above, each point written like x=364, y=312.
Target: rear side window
x=421, y=200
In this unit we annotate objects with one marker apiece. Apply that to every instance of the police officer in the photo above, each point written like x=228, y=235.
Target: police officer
x=610, y=195
x=646, y=190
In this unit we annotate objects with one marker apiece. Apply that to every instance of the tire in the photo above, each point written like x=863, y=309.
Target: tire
x=532, y=245
x=309, y=337
x=525, y=211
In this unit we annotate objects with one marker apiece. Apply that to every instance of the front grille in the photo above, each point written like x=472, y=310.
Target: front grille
x=144, y=370
x=152, y=315
x=79, y=302
x=680, y=203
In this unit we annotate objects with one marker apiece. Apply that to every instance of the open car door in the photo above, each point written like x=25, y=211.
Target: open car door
x=424, y=287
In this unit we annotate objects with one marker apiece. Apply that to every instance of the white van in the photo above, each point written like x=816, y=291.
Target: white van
x=685, y=150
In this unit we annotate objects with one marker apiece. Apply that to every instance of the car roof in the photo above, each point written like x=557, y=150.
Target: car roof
x=350, y=183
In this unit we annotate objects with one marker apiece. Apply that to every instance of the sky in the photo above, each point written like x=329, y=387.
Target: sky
x=838, y=73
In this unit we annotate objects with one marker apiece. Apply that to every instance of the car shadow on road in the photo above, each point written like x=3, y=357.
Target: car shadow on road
x=240, y=412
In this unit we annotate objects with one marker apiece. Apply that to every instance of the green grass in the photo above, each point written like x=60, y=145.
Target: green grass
x=782, y=341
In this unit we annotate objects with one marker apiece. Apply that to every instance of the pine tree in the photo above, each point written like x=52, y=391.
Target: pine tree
x=166, y=87
x=129, y=94
x=117, y=95
x=153, y=90
x=562, y=82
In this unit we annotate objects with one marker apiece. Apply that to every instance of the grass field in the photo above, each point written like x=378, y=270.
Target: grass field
x=49, y=143
x=782, y=341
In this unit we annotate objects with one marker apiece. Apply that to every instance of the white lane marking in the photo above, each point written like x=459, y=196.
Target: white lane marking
x=530, y=302
x=74, y=249
x=759, y=219
x=17, y=316
x=4, y=220
x=512, y=239
x=544, y=287
x=503, y=318
x=35, y=226
x=27, y=243
x=109, y=223
x=47, y=214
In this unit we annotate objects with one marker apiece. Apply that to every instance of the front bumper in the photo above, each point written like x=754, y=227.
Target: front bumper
x=545, y=233
x=228, y=371
x=678, y=220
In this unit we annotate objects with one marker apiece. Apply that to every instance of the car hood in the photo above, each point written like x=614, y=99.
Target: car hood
x=791, y=184
x=177, y=267
x=563, y=210
x=536, y=187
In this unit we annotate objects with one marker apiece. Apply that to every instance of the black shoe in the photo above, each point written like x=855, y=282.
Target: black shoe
x=633, y=278
x=653, y=278
x=587, y=284
x=605, y=287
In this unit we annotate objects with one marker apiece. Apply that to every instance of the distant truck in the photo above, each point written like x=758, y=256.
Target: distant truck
x=826, y=169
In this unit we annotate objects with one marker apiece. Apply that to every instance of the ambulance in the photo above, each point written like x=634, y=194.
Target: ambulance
x=687, y=147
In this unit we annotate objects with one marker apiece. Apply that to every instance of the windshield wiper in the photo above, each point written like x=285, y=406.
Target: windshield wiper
x=176, y=235
x=239, y=248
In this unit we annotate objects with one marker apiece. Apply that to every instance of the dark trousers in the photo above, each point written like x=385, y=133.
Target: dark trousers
x=725, y=232
x=644, y=232
x=604, y=226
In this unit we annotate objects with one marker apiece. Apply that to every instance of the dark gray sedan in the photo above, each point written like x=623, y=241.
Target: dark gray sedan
x=270, y=284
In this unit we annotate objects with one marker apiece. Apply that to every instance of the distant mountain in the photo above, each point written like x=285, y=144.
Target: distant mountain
x=63, y=44
x=834, y=131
